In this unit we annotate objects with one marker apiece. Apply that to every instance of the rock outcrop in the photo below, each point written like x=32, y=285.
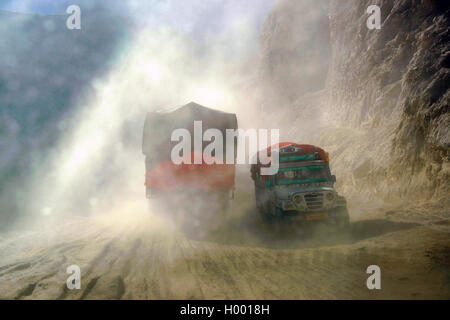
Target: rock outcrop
x=298, y=32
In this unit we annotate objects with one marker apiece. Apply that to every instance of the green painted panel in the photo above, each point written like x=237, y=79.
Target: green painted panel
x=302, y=168
x=301, y=181
x=299, y=157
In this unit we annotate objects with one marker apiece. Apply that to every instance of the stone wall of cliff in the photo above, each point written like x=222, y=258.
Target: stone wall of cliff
x=383, y=110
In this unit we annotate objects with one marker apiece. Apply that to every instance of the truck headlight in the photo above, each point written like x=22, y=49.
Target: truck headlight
x=298, y=199
x=330, y=197
x=288, y=205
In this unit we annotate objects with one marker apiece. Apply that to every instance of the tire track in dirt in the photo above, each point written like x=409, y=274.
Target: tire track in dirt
x=100, y=270
x=147, y=261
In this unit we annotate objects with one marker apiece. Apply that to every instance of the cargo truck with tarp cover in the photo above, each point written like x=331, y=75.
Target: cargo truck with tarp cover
x=303, y=188
x=187, y=184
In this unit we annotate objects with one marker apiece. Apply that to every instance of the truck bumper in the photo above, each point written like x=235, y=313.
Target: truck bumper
x=328, y=216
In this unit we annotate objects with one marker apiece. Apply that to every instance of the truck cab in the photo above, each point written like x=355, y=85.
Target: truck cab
x=301, y=190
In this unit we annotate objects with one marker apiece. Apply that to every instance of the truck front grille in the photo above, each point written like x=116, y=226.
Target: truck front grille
x=314, y=201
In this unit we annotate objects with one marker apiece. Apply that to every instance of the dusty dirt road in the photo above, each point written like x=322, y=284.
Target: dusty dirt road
x=142, y=257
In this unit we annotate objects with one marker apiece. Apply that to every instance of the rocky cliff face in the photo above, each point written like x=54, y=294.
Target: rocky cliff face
x=384, y=109
x=295, y=50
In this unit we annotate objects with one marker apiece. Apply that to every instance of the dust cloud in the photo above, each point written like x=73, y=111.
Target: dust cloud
x=87, y=203
x=97, y=165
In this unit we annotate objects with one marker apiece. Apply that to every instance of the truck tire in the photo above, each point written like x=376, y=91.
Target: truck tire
x=342, y=219
x=271, y=213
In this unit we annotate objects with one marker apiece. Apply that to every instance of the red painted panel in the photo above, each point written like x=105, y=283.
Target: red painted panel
x=169, y=176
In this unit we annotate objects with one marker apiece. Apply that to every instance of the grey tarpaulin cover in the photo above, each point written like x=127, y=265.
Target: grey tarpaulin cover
x=158, y=128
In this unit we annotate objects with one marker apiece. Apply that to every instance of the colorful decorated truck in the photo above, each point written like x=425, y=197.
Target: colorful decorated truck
x=301, y=190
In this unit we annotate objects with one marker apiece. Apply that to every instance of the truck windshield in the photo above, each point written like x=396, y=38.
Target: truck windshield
x=316, y=173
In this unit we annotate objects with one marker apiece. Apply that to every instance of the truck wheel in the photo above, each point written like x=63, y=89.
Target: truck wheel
x=224, y=203
x=342, y=219
x=264, y=214
x=271, y=213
